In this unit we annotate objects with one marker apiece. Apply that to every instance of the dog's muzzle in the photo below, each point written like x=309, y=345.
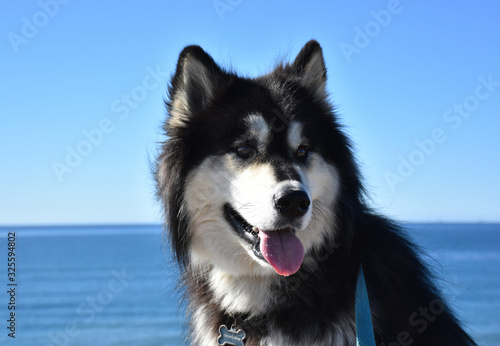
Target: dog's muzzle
x=278, y=246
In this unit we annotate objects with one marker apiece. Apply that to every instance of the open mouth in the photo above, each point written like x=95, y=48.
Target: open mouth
x=246, y=231
x=281, y=248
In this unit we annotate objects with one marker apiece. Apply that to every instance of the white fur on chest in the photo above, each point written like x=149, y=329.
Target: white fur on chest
x=242, y=294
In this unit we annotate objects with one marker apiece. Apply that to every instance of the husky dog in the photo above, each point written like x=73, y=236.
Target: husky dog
x=267, y=217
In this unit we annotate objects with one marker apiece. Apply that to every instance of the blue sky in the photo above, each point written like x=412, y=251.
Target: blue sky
x=417, y=85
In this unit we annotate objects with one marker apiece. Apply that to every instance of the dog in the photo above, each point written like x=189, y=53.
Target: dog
x=267, y=216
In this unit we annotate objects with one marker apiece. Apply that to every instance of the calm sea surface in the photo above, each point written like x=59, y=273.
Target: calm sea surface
x=115, y=285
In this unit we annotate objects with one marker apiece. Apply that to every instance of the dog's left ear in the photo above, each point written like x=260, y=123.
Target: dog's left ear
x=309, y=67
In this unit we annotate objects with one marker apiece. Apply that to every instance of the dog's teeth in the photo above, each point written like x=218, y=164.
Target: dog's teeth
x=255, y=229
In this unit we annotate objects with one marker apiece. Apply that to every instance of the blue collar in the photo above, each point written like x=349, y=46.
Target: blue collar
x=364, y=326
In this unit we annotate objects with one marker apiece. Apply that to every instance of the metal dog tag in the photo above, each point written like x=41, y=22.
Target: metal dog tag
x=231, y=336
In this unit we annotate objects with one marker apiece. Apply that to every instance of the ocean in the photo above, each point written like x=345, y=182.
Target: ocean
x=116, y=285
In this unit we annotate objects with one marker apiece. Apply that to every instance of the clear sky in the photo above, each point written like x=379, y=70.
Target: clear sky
x=416, y=83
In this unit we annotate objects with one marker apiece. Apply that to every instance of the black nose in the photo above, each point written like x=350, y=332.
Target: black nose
x=293, y=204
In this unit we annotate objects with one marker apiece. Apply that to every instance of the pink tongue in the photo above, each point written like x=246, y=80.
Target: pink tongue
x=282, y=250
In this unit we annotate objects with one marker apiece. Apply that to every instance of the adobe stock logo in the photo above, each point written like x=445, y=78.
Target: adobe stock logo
x=365, y=34
x=122, y=108
x=455, y=116
x=31, y=26
x=420, y=320
x=223, y=6
x=90, y=308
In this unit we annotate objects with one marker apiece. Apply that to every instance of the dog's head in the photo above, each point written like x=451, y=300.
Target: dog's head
x=254, y=171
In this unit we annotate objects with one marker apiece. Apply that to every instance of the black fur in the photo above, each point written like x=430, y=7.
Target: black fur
x=401, y=289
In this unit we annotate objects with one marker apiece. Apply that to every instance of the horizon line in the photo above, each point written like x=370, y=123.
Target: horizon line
x=155, y=224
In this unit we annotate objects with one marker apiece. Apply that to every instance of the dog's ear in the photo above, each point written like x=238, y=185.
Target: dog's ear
x=309, y=67
x=193, y=84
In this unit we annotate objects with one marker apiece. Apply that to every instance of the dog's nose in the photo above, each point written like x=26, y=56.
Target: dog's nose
x=293, y=204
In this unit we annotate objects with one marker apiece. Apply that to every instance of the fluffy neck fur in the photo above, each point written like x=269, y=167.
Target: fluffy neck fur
x=276, y=310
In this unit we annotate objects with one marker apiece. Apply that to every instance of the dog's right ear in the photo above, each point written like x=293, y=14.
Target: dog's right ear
x=193, y=84
x=309, y=66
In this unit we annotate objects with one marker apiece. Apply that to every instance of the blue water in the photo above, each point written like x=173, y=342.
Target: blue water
x=116, y=285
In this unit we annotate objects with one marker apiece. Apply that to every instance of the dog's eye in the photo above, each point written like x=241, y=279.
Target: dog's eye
x=245, y=151
x=302, y=151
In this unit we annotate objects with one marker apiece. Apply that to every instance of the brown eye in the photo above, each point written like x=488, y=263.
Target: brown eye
x=302, y=151
x=245, y=151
